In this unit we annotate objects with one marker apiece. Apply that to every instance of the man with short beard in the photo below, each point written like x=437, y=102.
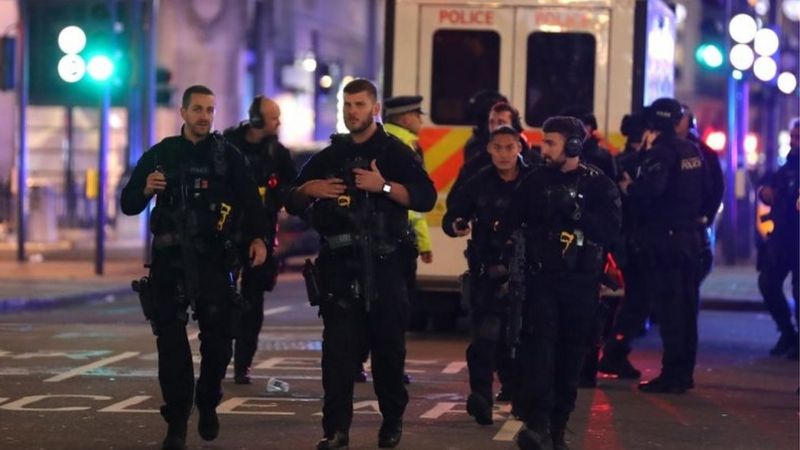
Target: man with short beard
x=202, y=188
x=359, y=190
x=571, y=211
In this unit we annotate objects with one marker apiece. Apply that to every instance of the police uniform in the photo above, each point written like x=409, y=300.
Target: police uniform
x=670, y=190
x=272, y=168
x=346, y=224
x=571, y=218
x=400, y=105
x=208, y=187
x=779, y=254
x=631, y=316
x=483, y=201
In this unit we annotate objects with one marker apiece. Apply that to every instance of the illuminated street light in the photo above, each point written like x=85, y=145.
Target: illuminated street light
x=71, y=68
x=766, y=42
x=765, y=68
x=741, y=56
x=787, y=82
x=742, y=28
x=71, y=40
x=737, y=74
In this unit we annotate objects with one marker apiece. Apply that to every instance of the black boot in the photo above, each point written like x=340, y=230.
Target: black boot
x=208, y=425
x=390, y=433
x=176, y=436
x=335, y=441
x=504, y=395
x=664, y=385
x=241, y=375
x=619, y=366
x=535, y=438
x=786, y=343
x=479, y=408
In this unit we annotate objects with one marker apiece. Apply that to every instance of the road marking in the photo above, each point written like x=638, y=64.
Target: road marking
x=83, y=369
x=508, y=431
x=123, y=405
x=277, y=310
x=455, y=367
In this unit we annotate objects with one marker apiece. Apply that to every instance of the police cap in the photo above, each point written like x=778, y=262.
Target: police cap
x=402, y=104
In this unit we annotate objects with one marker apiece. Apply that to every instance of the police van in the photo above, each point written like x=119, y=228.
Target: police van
x=610, y=56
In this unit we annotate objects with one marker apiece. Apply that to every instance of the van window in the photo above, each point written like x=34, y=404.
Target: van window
x=560, y=74
x=464, y=62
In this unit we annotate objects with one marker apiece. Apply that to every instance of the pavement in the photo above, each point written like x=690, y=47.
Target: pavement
x=50, y=280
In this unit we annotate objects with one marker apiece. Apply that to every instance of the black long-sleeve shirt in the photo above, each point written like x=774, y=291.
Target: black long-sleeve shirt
x=597, y=211
x=396, y=162
x=272, y=168
x=175, y=154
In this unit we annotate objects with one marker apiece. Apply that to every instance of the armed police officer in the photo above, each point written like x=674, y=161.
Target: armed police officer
x=670, y=191
x=476, y=208
x=272, y=168
x=201, y=187
x=572, y=212
x=779, y=256
x=359, y=190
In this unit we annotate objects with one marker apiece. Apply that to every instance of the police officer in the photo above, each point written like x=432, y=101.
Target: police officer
x=272, y=168
x=593, y=153
x=572, y=212
x=476, y=208
x=779, y=256
x=360, y=189
x=501, y=113
x=201, y=187
x=478, y=109
x=687, y=129
x=635, y=308
x=670, y=189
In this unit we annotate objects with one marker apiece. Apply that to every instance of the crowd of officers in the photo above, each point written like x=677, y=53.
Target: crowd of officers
x=544, y=224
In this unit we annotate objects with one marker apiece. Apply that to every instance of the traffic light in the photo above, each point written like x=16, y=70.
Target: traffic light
x=164, y=90
x=710, y=52
x=710, y=56
x=75, y=49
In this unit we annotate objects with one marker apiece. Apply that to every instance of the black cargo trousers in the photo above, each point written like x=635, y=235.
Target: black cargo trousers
x=214, y=308
x=558, y=325
x=671, y=258
x=349, y=328
x=488, y=349
x=255, y=282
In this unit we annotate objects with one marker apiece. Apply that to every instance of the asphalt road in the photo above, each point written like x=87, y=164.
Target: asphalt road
x=84, y=377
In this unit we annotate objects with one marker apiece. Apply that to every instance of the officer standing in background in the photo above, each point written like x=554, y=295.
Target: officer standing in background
x=670, y=190
x=687, y=129
x=272, y=168
x=475, y=209
x=501, y=113
x=636, y=307
x=593, y=153
x=201, y=186
x=779, y=256
x=360, y=189
x=478, y=108
x=572, y=212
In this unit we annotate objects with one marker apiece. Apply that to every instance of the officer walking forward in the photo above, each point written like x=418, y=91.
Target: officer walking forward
x=201, y=187
x=572, y=211
x=475, y=209
x=272, y=168
x=360, y=189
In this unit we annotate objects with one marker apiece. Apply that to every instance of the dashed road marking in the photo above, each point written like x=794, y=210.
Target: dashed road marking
x=85, y=368
x=508, y=430
x=277, y=310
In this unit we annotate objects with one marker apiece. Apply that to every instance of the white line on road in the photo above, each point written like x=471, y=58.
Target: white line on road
x=278, y=310
x=83, y=369
x=508, y=431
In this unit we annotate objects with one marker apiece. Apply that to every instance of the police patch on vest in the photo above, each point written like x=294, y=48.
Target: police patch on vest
x=691, y=163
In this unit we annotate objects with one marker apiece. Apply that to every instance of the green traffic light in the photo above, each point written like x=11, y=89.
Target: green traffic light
x=100, y=68
x=709, y=55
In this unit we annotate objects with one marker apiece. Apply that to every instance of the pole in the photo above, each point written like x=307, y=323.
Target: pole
x=148, y=99
x=70, y=193
x=102, y=169
x=22, y=103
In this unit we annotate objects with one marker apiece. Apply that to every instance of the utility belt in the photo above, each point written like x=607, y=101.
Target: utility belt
x=338, y=242
x=577, y=253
